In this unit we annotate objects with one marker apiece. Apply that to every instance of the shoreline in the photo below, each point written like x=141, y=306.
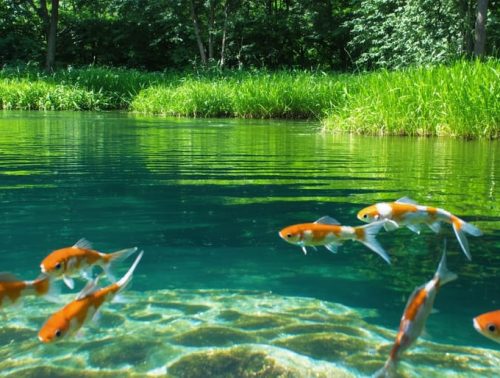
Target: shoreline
x=459, y=100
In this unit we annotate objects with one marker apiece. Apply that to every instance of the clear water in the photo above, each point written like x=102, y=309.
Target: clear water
x=218, y=293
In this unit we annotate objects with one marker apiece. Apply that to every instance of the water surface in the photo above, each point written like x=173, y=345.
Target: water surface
x=205, y=200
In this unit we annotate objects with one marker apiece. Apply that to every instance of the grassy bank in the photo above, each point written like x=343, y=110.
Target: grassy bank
x=462, y=99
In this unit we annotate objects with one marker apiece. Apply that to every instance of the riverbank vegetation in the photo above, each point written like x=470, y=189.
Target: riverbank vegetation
x=421, y=67
x=413, y=101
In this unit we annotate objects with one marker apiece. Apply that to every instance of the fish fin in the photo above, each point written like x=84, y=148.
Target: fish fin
x=54, y=292
x=414, y=227
x=332, y=247
x=369, y=240
x=69, y=282
x=434, y=311
x=470, y=229
x=116, y=257
x=83, y=244
x=388, y=370
x=314, y=247
x=436, y=227
x=89, y=288
x=407, y=200
x=127, y=278
x=391, y=225
x=87, y=273
x=442, y=272
x=327, y=220
x=8, y=277
x=304, y=249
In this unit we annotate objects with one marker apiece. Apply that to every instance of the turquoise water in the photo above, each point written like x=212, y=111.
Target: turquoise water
x=218, y=292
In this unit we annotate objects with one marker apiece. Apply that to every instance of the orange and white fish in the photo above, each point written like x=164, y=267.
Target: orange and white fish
x=488, y=325
x=80, y=258
x=13, y=289
x=328, y=232
x=406, y=212
x=68, y=320
x=417, y=310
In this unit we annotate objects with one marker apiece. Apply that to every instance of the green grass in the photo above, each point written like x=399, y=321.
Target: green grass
x=462, y=99
x=459, y=100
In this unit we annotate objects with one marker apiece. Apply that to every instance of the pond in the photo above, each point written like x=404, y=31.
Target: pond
x=218, y=293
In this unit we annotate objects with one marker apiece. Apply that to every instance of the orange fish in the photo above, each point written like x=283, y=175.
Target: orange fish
x=12, y=289
x=68, y=320
x=417, y=310
x=80, y=258
x=489, y=325
x=328, y=232
x=406, y=212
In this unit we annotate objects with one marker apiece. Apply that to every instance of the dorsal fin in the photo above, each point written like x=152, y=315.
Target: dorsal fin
x=89, y=288
x=83, y=243
x=407, y=200
x=327, y=220
x=8, y=277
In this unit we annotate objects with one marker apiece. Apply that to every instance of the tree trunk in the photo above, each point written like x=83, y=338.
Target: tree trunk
x=51, y=36
x=480, y=28
x=211, y=30
x=196, y=26
x=224, y=35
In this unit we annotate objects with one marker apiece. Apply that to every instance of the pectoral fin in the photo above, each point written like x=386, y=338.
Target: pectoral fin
x=332, y=247
x=390, y=225
x=304, y=249
x=69, y=282
x=436, y=227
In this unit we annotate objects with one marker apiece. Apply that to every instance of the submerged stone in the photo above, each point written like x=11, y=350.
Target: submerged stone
x=212, y=336
x=16, y=334
x=59, y=372
x=325, y=346
x=238, y=362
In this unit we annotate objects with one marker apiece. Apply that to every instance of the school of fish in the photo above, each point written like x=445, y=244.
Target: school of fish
x=80, y=260
x=404, y=212
x=77, y=260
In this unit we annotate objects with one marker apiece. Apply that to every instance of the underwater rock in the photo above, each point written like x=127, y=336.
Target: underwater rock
x=123, y=351
x=325, y=346
x=212, y=336
x=59, y=372
x=10, y=334
x=238, y=362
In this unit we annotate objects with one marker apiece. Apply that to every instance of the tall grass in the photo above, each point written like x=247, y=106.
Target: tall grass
x=462, y=99
x=246, y=95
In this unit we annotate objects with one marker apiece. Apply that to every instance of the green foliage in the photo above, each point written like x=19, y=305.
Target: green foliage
x=424, y=101
x=417, y=101
x=400, y=33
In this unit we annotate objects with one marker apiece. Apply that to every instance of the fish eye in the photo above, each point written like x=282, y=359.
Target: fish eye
x=58, y=333
x=365, y=216
x=288, y=236
x=58, y=265
x=491, y=328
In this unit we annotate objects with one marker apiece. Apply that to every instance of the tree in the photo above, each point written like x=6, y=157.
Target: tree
x=480, y=28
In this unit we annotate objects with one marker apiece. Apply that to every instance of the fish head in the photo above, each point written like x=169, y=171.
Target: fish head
x=291, y=234
x=54, y=264
x=369, y=214
x=488, y=325
x=56, y=327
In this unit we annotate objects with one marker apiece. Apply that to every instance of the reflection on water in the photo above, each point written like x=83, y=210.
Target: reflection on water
x=205, y=200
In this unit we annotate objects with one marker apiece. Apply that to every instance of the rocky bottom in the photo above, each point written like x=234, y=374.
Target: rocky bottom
x=217, y=333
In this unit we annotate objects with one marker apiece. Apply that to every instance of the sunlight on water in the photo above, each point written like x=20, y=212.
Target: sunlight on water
x=217, y=289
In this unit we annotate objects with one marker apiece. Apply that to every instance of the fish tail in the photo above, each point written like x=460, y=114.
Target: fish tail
x=367, y=235
x=127, y=278
x=111, y=258
x=388, y=370
x=461, y=228
x=442, y=272
x=47, y=287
